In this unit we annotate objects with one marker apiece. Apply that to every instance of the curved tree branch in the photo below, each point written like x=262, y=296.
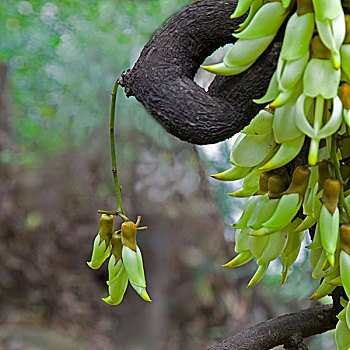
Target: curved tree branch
x=162, y=78
x=286, y=330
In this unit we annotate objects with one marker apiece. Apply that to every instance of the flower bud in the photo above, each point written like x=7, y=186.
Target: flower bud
x=331, y=191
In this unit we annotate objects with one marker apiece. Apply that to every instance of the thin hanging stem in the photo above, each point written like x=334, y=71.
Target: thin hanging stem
x=113, y=153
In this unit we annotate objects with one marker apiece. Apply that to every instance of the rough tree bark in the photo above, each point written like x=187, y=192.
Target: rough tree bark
x=162, y=80
x=289, y=330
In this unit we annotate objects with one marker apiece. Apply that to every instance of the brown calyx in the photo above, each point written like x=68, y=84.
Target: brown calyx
x=330, y=197
x=128, y=234
x=319, y=50
x=344, y=234
x=299, y=182
x=304, y=6
x=344, y=94
x=117, y=245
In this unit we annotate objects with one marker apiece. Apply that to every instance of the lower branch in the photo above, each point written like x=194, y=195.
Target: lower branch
x=288, y=329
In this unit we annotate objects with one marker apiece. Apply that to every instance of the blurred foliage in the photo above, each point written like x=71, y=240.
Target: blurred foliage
x=64, y=57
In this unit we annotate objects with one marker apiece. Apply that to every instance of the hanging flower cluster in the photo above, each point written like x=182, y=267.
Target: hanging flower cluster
x=125, y=260
x=308, y=109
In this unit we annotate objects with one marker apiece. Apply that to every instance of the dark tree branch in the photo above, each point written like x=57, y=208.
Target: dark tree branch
x=288, y=329
x=162, y=78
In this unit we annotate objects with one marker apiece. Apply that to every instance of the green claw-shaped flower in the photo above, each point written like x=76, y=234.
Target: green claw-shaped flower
x=133, y=264
x=289, y=73
x=321, y=79
x=286, y=152
x=232, y=174
x=257, y=245
x=319, y=131
x=344, y=261
x=319, y=258
x=262, y=211
x=102, y=247
x=284, y=124
x=253, y=40
x=250, y=184
x=260, y=125
x=325, y=288
x=241, y=8
x=329, y=218
x=262, y=205
x=291, y=200
x=294, y=55
x=117, y=283
x=254, y=7
x=247, y=212
x=287, y=208
x=141, y=292
x=223, y=69
x=316, y=241
x=271, y=93
x=345, y=59
x=259, y=27
x=308, y=222
x=100, y=253
x=240, y=259
x=297, y=37
x=275, y=246
x=342, y=332
x=273, y=186
x=241, y=240
x=330, y=25
x=253, y=150
x=258, y=275
x=292, y=248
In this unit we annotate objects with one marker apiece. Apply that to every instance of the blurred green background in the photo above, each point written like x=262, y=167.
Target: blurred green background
x=58, y=63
